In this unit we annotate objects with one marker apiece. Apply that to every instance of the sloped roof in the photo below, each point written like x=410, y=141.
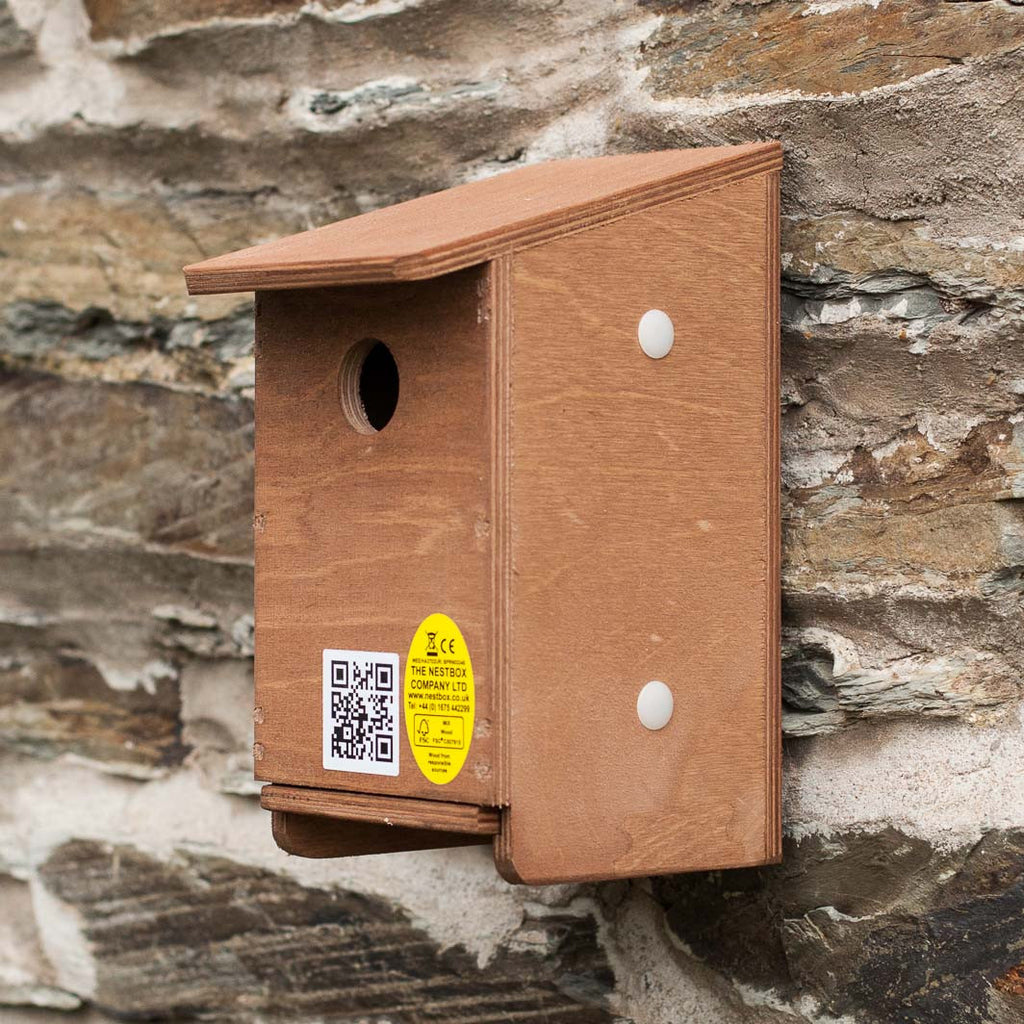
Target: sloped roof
x=472, y=223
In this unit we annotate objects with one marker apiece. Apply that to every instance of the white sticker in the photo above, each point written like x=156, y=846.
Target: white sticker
x=360, y=715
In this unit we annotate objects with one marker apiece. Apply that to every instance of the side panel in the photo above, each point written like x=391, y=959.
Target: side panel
x=644, y=545
x=359, y=537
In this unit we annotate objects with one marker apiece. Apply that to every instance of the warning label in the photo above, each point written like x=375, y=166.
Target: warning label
x=439, y=699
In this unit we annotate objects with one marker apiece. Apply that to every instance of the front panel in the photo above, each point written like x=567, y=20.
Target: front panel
x=361, y=535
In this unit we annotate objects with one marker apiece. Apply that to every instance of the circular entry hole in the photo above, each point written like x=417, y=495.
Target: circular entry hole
x=368, y=386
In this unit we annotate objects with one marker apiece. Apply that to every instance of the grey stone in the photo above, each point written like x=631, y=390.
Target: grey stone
x=878, y=927
x=15, y=42
x=136, y=137
x=27, y=977
x=101, y=465
x=201, y=937
x=59, y=703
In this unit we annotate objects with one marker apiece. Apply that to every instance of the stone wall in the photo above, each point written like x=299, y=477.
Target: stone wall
x=138, y=879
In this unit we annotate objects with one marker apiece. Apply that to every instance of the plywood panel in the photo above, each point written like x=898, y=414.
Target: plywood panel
x=643, y=508
x=360, y=537
x=308, y=836
x=436, y=815
x=472, y=223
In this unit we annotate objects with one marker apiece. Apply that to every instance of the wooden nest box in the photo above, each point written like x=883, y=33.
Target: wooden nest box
x=516, y=519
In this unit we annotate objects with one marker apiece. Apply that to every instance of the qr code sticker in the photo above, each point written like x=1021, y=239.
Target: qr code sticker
x=360, y=713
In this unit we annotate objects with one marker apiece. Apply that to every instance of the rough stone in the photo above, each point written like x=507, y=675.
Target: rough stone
x=203, y=937
x=121, y=254
x=125, y=557
x=875, y=152
x=15, y=42
x=862, y=252
x=217, y=718
x=116, y=18
x=135, y=137
x=91, y=667
x=26, y=976
x=123, y=19
x=821, y=49
x=825, y=686
x=874, y=927
x=188, y=353
x=133, y=465
x=59, y=703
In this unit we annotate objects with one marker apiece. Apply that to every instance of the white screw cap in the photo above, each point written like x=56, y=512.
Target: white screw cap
x=656, y=333
x=654, y=705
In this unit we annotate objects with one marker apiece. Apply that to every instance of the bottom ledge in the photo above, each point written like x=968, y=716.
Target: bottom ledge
x=306, y=835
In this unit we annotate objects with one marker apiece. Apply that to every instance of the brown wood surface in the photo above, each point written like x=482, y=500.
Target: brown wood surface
x=382, y=810
x=360, y=537
x=499, y=282
x=643, y=509
x=590, y=518
x=472, y=223
x=773, y=497
x=307, y=836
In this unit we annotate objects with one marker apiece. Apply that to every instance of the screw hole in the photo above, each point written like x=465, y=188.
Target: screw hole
x=368, y=386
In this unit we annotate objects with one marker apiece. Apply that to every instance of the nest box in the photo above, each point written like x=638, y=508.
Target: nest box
x=516, y=519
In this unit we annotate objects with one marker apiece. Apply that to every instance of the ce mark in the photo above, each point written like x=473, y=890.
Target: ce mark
x=447, y=645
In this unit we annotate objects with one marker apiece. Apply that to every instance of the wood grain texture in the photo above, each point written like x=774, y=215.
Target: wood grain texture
x=499, y=281
x=643, y=503
x=472, y=223
x=308, y=836
x=436, y=815
x=591, y=518
x=360, y=537
x=773, y=412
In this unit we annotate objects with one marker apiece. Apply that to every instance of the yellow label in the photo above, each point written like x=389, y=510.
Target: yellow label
x=439, y=698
